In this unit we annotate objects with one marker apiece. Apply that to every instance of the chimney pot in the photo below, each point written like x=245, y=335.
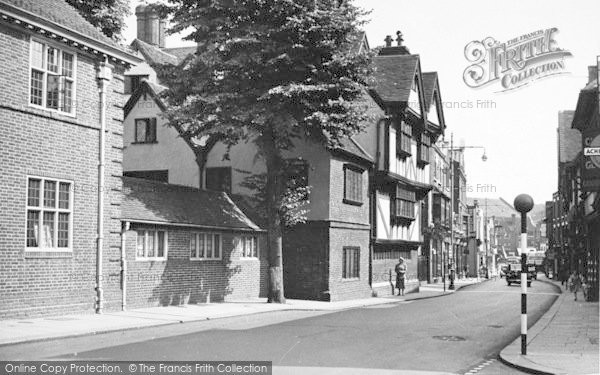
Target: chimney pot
x=388, y=41
x=399, y=38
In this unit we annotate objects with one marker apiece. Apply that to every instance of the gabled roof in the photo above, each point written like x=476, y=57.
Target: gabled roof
x=394, y=75
x=182, y=53
x=350, y=148
x=67, y=21
x=145, y=88
x=153, y=202
x=155, y=55
x=431, y=88
x=494, y=207
x=569, y=140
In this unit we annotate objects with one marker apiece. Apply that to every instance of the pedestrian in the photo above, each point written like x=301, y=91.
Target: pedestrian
x=562, y=276
x=584, y=287
x=574, y=283
x=400, y=275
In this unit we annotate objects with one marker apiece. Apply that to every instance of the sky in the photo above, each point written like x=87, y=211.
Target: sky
x=517, y=127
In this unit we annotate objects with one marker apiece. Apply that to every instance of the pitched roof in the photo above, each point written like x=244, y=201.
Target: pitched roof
x=181, y=53
x=429, y=85
x=494, y=207
x=152, y=54
x=159, y=203
x=155, y=55
x=394, y=76
x=145, y=87
x=59, y=12
x=351, y=148
x=569, y=140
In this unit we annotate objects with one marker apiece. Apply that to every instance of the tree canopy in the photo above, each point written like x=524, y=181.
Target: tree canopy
x=272, y=71
x=108, y=15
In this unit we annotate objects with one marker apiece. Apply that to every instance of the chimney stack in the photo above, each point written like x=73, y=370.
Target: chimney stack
x=592, y=73
x=150, y=27
x=399, y=49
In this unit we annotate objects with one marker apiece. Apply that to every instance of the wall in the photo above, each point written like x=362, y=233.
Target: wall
x=179, y=280
x=383, y=268
x=169, y=153
x=244, y=162
x=37, y=142
x=348, y=235
x=306, y=261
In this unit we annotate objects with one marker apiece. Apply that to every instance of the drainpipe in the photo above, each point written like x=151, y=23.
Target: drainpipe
x=104, y=76
x=124, y=229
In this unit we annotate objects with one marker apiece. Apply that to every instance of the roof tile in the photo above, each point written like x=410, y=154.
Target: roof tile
x=157, y=202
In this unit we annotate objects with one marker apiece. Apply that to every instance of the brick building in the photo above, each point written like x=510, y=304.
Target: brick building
x=61, y=90
x=185, y=245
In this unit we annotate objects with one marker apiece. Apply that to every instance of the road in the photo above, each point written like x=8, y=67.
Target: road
x=457, y=333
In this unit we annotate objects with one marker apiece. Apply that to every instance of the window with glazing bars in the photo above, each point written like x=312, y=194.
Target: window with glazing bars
x=49, y=214
x=52, y=82
x=424, y=148
x=405, y=203
x=205, y=246
x=404, y=138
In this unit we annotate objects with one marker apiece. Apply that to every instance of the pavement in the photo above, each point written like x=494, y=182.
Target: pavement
x=66, y=326
x=563, y=341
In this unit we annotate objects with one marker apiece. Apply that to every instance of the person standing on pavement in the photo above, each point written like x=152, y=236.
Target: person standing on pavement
x=574, y=283
x=400, y=275
x=561, y=276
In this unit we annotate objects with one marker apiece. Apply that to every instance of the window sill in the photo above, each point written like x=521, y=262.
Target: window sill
x=54, y=111
x=204, y=259
x=144, y=143
x=350, y=279
x=50, y=253
x=151, y=259
x=351, y=202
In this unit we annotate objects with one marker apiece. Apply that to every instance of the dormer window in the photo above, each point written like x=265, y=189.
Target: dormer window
x=52, y=82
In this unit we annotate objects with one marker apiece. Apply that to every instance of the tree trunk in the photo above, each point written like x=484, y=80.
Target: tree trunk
x=273, y=196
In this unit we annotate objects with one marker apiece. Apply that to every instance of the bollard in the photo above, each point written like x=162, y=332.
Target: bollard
x=523, y=203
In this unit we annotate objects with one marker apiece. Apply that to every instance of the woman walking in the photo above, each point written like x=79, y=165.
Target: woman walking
x=400, y=275
x=574, y=283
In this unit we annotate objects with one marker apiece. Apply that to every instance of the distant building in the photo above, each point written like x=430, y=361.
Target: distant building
x=584, y=214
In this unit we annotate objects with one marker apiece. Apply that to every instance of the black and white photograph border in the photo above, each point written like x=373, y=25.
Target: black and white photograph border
x=299, y=187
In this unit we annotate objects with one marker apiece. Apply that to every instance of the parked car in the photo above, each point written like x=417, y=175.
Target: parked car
x=513, y=275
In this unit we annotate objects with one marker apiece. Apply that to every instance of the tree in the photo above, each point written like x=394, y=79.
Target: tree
x=272, y=71
x=108, y=15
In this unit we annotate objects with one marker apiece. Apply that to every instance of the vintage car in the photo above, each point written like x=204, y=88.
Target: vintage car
x=513, y=275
